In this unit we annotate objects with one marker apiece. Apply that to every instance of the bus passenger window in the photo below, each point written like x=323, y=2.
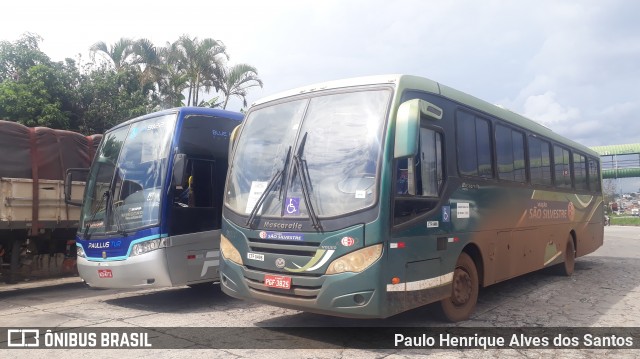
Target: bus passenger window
x=562, y=167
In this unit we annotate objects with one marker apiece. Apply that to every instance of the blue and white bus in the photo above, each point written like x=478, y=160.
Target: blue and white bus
x=152, y=205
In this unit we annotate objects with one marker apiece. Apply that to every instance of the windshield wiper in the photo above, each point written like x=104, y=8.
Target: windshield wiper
x=279, y=175
x=105, y=195
x=305, y=182
x=263, y=196
x=284, y=169
x=111, y=202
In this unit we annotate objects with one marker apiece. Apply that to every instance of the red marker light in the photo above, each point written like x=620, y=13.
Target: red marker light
x=401, y=244
x=191, y=256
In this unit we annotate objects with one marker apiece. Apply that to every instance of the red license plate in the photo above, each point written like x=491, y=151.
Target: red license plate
x=105, y=273
x=277, y=281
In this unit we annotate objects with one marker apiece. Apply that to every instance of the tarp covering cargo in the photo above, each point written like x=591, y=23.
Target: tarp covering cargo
x=34, y=218
x=41, y=152
x=33, y=163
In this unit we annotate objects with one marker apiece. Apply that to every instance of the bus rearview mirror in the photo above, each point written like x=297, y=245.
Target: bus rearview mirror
x=408, y=125
x=232, y=140
x=73, y=175
x=179, y=168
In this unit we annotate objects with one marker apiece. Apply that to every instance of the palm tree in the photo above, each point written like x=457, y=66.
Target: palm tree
x=201, y=61
x=149, y=60
x=117, y=54
x=236, y=80
x=174, y=79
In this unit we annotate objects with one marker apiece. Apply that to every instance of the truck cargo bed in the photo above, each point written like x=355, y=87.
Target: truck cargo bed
x=17, y=202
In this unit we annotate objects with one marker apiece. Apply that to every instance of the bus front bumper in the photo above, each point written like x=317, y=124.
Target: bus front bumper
x=147, y=270
x=348, y=295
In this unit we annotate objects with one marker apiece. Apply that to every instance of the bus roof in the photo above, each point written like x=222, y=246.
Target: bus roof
x=186, y=110
x=404, y=82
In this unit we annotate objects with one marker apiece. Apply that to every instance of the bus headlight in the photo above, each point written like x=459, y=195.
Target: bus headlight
x=356, y=261
x=80, y=252
x=229, y=251
x=147, y=246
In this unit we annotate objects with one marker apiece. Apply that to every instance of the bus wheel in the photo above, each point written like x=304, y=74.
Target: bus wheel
x=569, y=264
x=464, y=291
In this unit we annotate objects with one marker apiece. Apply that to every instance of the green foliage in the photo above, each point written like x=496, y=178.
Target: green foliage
x=18, y=57
x=236, y=80
x=109, y=98
x=37, y=98
x=625, y=221
x=214, y=102
x=200, y=61
x=124, y=80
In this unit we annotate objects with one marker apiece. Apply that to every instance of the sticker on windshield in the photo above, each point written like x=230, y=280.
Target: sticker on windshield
x=361, y=194
x=257, y=188
x=293, y=206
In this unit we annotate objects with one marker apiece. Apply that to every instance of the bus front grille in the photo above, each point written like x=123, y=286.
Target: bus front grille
x=283, y=247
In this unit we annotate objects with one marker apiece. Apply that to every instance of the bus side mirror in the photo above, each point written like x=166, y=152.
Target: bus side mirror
x=74, y=175
x=179, y=168
x=232, y=141
x=408, y=125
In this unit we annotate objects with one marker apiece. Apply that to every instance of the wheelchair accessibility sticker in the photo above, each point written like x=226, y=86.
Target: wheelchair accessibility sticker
x=293, y=206
x=446, y=214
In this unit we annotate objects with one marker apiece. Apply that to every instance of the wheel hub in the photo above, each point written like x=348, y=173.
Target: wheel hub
x=461, y=287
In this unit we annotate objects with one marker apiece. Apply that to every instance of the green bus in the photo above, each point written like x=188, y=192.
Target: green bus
x=371, y=196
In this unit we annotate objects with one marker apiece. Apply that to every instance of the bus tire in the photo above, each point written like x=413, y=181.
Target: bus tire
x=567, y=267
x=464, y=291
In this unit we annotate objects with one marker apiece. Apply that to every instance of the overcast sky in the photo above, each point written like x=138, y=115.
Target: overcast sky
x=573, y=66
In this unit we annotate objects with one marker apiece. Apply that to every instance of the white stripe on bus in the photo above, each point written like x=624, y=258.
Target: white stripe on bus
x=421, y=284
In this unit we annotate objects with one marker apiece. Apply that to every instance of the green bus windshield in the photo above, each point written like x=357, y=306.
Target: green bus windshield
x=328, y=146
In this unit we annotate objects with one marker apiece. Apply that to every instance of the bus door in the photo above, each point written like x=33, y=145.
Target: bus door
x=419, y=222
x=194, y=224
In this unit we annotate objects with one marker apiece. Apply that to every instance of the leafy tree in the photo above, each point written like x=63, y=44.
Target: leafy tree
x=236, y=80
x=173, y=80
x=118, y=55
x=150, y=63
x=123, y=87
x=134, y=78
x=18, y=57
x=212, y=103
x=109, y=98
x=201, y=63
x=34, y=90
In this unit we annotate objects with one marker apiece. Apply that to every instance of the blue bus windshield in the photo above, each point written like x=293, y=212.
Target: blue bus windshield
x=125, y=181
